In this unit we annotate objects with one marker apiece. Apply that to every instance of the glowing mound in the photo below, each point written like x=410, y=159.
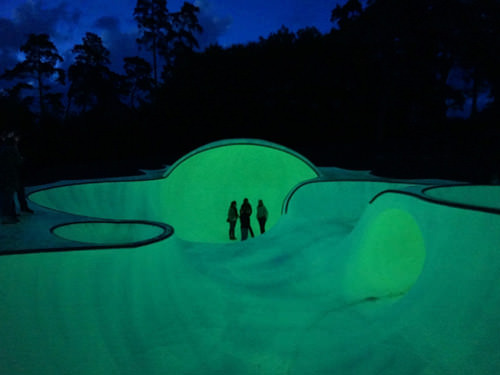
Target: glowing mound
x=389, y=256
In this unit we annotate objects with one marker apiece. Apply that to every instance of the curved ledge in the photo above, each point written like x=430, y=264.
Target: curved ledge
x=292, y=192
x=481, y=196
x=111, y=233
x=72, y=231
x=345, y=196
x=243, y=142
x=421, y=195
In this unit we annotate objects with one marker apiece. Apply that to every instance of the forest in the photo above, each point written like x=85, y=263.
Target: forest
x=376, y=92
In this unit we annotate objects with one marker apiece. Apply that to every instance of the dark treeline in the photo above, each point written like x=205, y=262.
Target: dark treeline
x=373, y=93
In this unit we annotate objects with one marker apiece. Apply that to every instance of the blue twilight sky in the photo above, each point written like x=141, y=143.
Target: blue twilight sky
x=224, y=21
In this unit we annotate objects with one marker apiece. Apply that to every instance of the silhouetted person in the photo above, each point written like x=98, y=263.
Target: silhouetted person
x=245, y=213
x=10, y=162
x=495, y=179
x=262, y=215
x=232, y=217
x=21, y=194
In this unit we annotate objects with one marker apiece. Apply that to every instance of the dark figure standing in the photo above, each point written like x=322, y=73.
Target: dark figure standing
x=232, y=217
x=245, y=213
x=262, y=215
x=10, y=162
x=21, y=194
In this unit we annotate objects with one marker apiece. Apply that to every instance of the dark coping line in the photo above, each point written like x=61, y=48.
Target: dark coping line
x=288, y=198
x=422, y=196
x=168, y=231
x=419, y=195
x=245, y=142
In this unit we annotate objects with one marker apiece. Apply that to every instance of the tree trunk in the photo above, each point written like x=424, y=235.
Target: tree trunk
x=40, y=94
x=155, y=71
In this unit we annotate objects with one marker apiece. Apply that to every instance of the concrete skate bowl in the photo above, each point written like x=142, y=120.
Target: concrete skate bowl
x=194, y=194
x=409, y=288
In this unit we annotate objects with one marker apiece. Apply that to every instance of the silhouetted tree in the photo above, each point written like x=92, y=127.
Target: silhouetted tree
x=343, y=15
x=477, y=46
x=185, y=27
x=15, y=110
x=402, y=50
x=152, y=17
x=38, y=71
x=182, y=36
x=92, y=82
x=138, y=77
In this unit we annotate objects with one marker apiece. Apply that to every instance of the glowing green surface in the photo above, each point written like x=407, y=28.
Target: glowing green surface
x=195, y=194
x=337, y=286
x=481, y=196
x=389, y=256
x=108, y=233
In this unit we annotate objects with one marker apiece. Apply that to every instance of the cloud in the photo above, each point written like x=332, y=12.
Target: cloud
x=214, y=26
x=108, y=23
x=31, y=17
x=123, y=44
x=309, y=13
x=120, y=44
x=66, y=24
x=9, y=43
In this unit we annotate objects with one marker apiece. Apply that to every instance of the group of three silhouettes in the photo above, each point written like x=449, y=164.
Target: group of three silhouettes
x=244, y=216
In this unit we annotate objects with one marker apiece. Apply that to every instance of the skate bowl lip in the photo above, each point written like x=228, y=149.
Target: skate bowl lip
x=422, y=194
x=460, y=201
x=170, y=169
x=420, y=190
x=415, y=193
x=164, y=231
x=263, y=157
x=242, y=142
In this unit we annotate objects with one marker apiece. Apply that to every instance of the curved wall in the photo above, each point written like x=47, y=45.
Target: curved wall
x=343, y=201
x=195, y=193
x=199, y=189
x=110, y=233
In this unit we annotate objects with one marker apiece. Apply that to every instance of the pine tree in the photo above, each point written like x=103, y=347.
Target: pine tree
x=138, y=77
x=92, y=82
x=152, y=17
x=38, y=71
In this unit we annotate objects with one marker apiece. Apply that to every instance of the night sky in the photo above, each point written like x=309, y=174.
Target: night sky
x=224, y=21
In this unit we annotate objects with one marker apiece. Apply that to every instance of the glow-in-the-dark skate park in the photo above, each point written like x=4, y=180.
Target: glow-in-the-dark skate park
x=354, y=275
